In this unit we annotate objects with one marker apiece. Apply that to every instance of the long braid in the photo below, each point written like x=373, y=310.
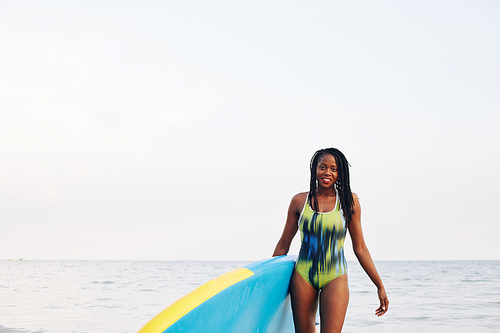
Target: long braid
x=342, y=184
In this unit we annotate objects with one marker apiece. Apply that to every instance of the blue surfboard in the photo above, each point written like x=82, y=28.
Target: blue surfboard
x=252, y=298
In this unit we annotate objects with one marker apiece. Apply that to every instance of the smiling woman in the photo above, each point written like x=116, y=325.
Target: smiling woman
x=323, y=216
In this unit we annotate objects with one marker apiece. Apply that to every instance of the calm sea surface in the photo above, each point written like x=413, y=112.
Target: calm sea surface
x=121, y=296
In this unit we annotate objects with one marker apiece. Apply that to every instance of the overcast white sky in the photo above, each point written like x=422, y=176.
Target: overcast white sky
x=155, y=130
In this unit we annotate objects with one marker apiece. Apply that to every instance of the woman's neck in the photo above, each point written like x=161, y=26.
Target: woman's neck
x=326, y=193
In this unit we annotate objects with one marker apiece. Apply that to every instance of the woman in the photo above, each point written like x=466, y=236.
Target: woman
x=324, y=214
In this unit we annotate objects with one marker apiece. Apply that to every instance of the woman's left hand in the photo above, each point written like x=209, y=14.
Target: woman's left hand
x=384, y=302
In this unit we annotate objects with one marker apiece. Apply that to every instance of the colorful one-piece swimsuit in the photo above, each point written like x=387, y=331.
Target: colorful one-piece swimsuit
x=321, y=257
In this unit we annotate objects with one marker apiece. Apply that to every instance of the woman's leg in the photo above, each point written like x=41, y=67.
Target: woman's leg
x=333, y=301
x=304, y=304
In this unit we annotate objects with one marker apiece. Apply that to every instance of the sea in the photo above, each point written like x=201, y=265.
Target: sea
x=121, y=296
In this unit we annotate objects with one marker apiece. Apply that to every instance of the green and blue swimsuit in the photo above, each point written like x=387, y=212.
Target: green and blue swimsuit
x=321, y=257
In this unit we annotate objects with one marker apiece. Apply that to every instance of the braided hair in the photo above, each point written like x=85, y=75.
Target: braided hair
x=342, y=184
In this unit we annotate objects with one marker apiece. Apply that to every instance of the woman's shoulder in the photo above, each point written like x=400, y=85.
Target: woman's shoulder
x=355, y=197
x=300, y=196
x=299, y=199
x=298, y=202
x=355, y=202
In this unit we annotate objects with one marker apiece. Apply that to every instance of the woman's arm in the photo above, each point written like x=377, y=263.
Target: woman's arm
x=364, y=257
x=291, y=225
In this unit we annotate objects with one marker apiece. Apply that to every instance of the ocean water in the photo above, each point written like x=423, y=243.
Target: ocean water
x=121, y=296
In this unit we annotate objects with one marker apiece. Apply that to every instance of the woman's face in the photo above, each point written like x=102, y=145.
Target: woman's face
x=326, y=171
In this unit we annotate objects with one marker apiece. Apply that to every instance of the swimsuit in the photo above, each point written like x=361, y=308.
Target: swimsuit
x=321, y=257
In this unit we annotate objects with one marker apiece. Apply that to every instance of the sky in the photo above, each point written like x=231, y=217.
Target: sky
x=180, y=130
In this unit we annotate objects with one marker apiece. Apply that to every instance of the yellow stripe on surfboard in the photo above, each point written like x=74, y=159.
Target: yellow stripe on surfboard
x=176, y=310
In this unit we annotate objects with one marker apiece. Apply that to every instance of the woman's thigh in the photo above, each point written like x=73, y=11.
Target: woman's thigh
x=334, y=298
x=304, y=299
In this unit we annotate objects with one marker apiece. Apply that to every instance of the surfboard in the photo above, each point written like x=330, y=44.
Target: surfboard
x=252, y=298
